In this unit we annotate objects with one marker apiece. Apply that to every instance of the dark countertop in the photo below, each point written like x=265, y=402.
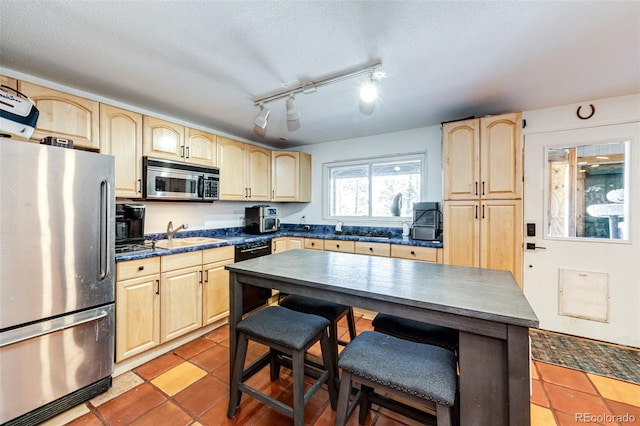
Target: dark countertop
x=470, y=292
x=234, y=236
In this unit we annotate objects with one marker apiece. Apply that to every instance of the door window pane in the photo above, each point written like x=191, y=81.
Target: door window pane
x=588, y=193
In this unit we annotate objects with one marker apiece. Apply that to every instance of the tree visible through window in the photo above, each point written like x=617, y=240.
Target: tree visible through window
x=374, y=188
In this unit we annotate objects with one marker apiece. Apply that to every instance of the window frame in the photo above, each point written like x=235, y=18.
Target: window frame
x=370, y=161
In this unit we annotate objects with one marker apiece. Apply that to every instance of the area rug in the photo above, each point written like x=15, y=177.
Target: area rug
x=590, y=356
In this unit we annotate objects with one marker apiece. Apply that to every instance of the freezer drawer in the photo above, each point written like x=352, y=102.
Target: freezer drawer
x=48, y=360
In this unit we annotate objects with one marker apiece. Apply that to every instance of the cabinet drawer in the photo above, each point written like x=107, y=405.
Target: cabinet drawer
x=137, y=268
x=373, y=249
x=314, y=244
x=337, y=245
x=426, y=254
x=181, y=260
x=218, y=254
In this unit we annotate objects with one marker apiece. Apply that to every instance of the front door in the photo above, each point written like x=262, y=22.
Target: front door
x=581, y=270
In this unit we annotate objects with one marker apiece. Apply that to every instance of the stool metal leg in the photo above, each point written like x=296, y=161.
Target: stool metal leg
x=238, y=368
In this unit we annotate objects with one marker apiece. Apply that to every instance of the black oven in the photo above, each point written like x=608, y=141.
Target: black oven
x=252, y=296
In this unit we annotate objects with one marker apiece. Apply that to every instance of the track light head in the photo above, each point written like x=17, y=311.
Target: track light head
x=292, y=113
x=261, y=119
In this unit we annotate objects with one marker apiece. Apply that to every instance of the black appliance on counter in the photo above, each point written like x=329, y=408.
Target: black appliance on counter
x=427, y=221
x=261, y=219
x=129, y=227
x=252, y=296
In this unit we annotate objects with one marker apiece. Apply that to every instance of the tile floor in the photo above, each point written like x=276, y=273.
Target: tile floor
x=189, y=386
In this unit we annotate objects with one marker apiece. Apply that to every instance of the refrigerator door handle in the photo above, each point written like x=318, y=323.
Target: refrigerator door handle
x=104, y=268
x=37, y=330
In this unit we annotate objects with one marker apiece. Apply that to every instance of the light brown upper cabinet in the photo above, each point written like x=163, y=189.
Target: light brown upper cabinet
x=171, y=141
x=291, y=176
x=121, y=136
x=245, y=171
x=482, y=158
x=483, y=193
x=65, y=116
x=9, y=82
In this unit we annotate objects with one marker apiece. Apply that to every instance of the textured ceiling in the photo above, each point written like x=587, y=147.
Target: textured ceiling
x=205, y=61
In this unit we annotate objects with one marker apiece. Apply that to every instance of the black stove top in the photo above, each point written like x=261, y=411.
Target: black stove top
x=369, y=234
x=132, y=248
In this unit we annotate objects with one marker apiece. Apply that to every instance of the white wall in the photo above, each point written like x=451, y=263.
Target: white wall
x=425, y=140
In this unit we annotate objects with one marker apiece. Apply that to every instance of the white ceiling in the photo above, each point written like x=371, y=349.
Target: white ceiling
x=205, y=61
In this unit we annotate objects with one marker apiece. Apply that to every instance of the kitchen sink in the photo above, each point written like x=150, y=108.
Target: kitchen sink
x=187, y=242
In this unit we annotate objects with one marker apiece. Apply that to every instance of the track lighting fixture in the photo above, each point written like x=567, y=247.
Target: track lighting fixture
x=292, y=113
x=367, y=95
x=261, y=119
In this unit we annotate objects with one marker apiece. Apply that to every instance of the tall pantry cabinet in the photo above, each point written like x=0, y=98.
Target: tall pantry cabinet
x=482, y=174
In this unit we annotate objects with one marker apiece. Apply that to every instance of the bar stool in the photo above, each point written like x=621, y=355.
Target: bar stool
x=417, y=331
x=423, y=374
x=333, y=312
x=291, y=333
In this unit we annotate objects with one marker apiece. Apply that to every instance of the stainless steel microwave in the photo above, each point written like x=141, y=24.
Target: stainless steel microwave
x=261, y=219
x=173, y=180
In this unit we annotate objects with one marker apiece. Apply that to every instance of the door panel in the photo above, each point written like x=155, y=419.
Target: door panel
x=589, y=258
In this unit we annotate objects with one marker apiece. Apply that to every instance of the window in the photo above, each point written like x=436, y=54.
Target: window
x=374, y=188
x=588, y=191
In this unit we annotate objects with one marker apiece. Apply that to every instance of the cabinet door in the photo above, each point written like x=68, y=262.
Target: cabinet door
x=501, y=156
x=137, y=315
x=313, y=244
x=231, y=161
x=279, y=245
x=258, y=173
x=162, y=139
x=424, y=254
x=215, y=292
x=291, y=176
x=200, y=147
x=121, y=136
x=9, y=82
x=501, y=236
x=295, y=243
x=65, y=116
x=180, y=302
x=372, y=249
x=461, y=159
x=461, y=233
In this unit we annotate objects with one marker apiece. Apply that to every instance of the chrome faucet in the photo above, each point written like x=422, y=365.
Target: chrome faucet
x=171, y=232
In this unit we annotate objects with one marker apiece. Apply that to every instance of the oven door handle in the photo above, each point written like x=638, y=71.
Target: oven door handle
x=254, y=249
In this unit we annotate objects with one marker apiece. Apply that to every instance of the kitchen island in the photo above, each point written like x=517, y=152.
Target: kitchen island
x=486, y=306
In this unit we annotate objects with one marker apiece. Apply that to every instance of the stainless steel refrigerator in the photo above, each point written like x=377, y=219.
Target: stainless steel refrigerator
x=57, y=214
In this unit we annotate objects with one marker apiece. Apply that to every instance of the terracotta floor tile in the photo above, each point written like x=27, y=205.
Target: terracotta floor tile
x=212, y=358
x=563, y=376
x=89, y=419
x=167, y=413
x=222, y=372
x=202, y=395
x=121, y=384
x=157, y=366
x=131, y=405
x=178, y=378
x=571, y=401
x=621, y=409
x=539, y=396
x=219, y=334
x=541, y=416
x=328, y=418
x=534, y=370
x=248, y=411
x=617, y=390
x=189, y=350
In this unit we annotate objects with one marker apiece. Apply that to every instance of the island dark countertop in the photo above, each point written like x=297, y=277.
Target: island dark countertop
x=480, y=293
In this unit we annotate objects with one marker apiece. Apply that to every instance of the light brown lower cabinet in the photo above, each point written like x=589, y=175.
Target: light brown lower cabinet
x=281, y=244
x=215, y=288
x=314, y=243
x=339, y=245
x=372, y=249
x=137, y=306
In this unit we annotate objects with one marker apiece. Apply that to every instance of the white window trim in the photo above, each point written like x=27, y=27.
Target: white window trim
x=367, y=220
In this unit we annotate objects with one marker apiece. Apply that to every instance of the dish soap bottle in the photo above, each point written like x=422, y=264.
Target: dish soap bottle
x=339, y=226
x=406, y=229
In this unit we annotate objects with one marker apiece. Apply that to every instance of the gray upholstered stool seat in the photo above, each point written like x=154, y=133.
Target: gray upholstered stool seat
x=417, y=331
x=423, y=374
x=289, y=332
x=334, y=312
